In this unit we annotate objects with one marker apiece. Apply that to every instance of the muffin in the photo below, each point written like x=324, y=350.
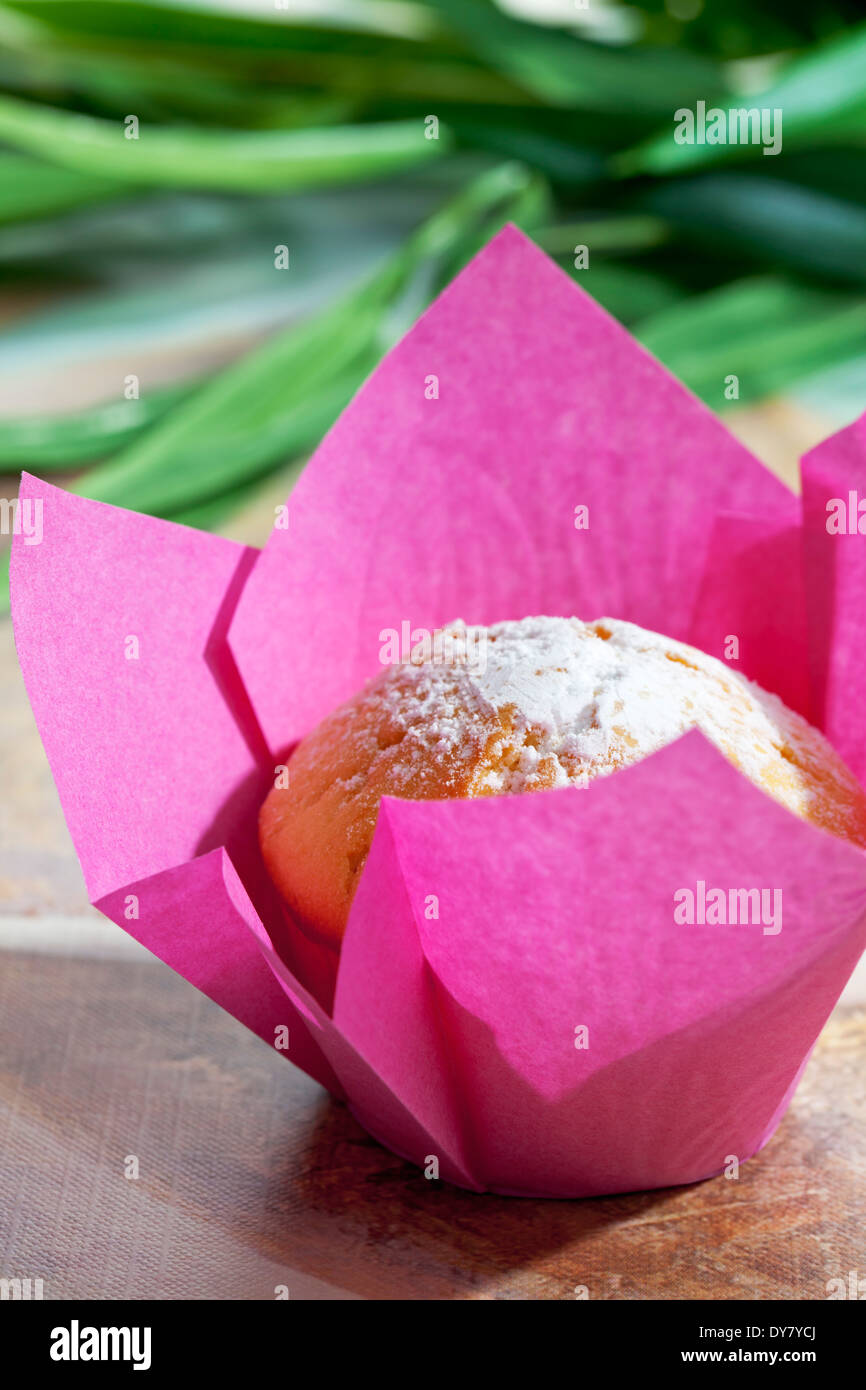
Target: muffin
x=519, y=707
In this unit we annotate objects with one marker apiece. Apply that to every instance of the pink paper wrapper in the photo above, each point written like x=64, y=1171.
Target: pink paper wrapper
x=553, y=1031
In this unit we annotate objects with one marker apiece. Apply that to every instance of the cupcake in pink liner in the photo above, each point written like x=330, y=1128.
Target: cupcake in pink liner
x=535, y=994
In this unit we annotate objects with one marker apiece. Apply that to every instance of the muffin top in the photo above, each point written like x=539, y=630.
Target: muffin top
x=518, y=707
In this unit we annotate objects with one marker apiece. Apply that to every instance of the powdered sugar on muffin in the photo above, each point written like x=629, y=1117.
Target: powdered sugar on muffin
x=527, y=706
x=577, y=700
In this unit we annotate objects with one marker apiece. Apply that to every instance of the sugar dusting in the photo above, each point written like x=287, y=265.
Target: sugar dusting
x=559, y=701
x=523, y=707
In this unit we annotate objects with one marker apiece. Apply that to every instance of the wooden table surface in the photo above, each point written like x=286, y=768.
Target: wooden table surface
x=251, y=1177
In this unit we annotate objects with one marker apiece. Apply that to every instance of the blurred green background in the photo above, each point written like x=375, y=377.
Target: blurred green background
x=262, y=126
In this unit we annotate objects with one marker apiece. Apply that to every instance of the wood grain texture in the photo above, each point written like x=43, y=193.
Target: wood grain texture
x=250, y=1176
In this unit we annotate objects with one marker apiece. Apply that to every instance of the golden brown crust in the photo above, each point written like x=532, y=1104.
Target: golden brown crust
x=558, y=703
x=316, y=833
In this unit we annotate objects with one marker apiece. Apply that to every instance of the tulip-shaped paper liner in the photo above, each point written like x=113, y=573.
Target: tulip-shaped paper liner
x=521, y=995
x=834, y=524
